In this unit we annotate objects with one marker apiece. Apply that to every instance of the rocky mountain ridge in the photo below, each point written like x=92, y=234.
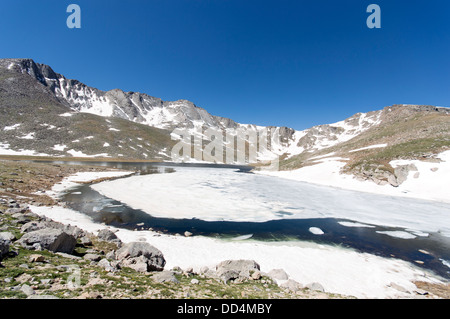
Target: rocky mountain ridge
x=46, y=114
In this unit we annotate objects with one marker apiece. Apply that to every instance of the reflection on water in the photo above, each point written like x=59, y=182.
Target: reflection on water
x=430, y=251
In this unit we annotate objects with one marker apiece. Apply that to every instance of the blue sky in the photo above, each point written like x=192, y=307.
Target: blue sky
x=288, y=63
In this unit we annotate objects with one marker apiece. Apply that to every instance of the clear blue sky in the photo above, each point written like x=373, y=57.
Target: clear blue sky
x=286, y=63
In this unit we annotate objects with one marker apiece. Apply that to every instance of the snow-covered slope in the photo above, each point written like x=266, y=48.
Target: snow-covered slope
x=144, y=109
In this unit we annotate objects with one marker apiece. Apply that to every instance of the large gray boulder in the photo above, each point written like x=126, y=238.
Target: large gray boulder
x=4, y=246
x=49, y=238
x=291, y=285
x=141, y=256
x=35, y=225
x=165, y=276
x=109, y=236
x=6, y=235
x=235, y=269
x=278, y=274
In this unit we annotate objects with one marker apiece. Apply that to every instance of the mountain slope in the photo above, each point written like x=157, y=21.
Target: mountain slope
x=44, y=113
x=36, y=122
x=132, y=106
x=398, y=132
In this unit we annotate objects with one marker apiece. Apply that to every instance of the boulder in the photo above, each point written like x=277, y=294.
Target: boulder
x=48, y=238
x=15, y=210
x=105, y=264
x=402, y=172
x=165, y=276
x=278, y=274
x=7, y=236
x=139, y=264
x=33, y=226
x=291, y=285
x=35, y=258
x=4, y=246
x=108, y=236
x=71, y=230
x=256, y=275
x=315, y=286
x=234, y=269
x=152, y=256
x=92, y=257
x=86, y=241
x=27, y=290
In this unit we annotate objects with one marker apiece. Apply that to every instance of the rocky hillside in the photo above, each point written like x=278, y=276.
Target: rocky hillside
x=368, y=142
x=34, y=121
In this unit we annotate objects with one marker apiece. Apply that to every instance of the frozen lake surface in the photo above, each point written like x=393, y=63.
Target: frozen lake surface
x=237, y=205
x=346, y=255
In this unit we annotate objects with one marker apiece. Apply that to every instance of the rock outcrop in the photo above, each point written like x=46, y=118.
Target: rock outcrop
x=236, y=269
x=54, y=240
x=141, y=256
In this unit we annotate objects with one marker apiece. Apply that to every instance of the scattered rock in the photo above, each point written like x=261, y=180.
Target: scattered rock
x=7, y=236
x=278, y=274
x=46, y=281
x=105, y=264
x=86, y=241
x=152, y=257
x=27, y=290
x=35, y=258
x=90, y=295
x=51, y=239
x=292, y=285
x=256, y=275
x=139, y=264
x=195, y=281
x=92, y=257
x=15, y=210
x=165, y=276
x=4, y=246
x=315, y=286
x=401, y=172
x=204, y=270
x=20, y=219
x=111, y=255
x=234, y=269
x=108, y=236
x=187, y=234
x=42, y=297
x=177, y=269
x=32, y=226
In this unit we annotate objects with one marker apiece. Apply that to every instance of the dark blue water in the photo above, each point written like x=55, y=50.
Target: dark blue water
x=428, y=252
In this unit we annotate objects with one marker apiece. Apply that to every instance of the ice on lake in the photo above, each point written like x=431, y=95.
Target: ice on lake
x=219, y=194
